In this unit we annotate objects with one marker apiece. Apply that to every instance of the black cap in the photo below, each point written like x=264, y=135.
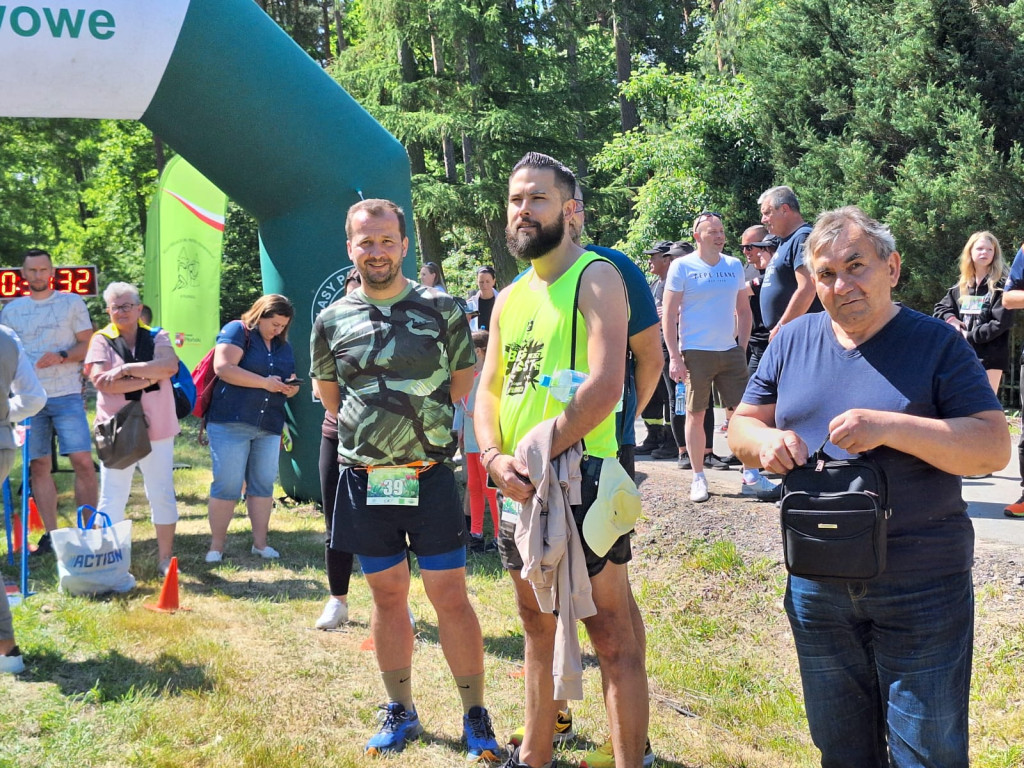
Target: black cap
x=772, y=241
x=681, y=248
x=661, y=246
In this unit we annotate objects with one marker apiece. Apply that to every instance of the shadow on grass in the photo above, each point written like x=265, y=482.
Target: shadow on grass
x=112, y=676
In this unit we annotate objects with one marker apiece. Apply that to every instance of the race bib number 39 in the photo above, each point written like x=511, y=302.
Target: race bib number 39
x=392, y=486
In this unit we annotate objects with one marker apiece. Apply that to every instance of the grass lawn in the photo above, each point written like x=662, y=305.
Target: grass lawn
x=242, y=679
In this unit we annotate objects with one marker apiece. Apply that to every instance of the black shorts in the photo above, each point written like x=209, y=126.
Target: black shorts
x=433, y=527
x=620, y=553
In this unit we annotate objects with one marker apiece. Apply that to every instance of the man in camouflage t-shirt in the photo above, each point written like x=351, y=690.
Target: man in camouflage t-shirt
x=390, y=359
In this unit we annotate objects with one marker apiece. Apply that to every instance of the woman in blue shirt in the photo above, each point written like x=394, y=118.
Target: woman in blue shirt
x=255, y=367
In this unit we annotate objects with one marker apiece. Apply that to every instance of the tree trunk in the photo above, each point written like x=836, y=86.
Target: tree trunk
x=158, y=149
x=623, y=65
x=339, y=18
x=429, y=240
x=505, y=265
x=447, y=144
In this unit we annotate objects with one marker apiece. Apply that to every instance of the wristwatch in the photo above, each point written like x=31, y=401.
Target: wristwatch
x=63, y=355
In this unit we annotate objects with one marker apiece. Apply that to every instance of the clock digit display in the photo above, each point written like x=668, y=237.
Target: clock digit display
x=79, y=280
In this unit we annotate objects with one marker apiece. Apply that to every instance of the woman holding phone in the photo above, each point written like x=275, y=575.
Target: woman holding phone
x=255, y=366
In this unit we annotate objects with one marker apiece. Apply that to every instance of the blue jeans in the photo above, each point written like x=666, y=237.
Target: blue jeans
x=886, y=662
x=66, y=416
x=240, y=452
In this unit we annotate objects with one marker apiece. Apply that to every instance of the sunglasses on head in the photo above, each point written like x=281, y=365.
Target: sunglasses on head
x=705, y=215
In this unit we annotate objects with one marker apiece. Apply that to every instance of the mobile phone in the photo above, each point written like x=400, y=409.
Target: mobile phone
x=295, y=381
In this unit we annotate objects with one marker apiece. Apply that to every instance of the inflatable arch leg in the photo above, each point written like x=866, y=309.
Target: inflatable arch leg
x=221, y=83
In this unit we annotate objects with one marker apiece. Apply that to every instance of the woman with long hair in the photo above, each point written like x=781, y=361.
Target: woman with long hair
x=432, y=276
x=974, y=306
x=255, y=367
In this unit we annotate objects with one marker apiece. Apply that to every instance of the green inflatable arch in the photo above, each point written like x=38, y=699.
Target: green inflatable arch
x=221, y=83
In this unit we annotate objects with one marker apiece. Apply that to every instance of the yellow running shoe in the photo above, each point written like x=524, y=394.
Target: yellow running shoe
x=563, y=730
x=603, y=757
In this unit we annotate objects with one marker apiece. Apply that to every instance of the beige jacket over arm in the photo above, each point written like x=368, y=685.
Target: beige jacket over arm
x=552, y=552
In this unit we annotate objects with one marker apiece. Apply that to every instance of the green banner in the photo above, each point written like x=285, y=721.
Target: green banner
x=184, y=234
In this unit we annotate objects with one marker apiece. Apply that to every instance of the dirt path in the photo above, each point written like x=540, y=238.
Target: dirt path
x=753, y=526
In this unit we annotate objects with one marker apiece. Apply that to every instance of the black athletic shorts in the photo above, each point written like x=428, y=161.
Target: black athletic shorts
x=433, y=527
x=620, y=553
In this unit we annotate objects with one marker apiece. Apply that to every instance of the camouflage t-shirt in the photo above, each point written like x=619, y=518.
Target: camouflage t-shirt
x=393, y=361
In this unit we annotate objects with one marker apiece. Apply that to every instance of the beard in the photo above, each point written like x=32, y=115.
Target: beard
x=377, y=278
x=530, y=244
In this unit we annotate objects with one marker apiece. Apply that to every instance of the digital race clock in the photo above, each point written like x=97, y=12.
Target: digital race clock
x=80, y=281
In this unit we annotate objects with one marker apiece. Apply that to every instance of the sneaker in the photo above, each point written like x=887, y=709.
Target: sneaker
x=397, y=726
x=563, y=730
x=335, y=614
x=481, y=746
x=683, y=462
x=267, y=553
x=491, y=546
x=164, y=567
x=476, y=543
x=214, y=556
x=43, y=547
x=763, y=489
x=699, y=490
x=731, y=460
x=1016, y=509
x=714, y=462
x=13, y=663
x=513, y=762
x=603, y=757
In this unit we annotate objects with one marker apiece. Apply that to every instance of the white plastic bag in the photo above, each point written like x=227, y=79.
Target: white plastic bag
x=92, y=561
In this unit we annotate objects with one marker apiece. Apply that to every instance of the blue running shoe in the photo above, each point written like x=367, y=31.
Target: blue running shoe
x=479, y=735
x=397, y=726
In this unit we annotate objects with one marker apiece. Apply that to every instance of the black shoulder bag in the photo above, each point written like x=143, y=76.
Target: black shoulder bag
x=834, y=518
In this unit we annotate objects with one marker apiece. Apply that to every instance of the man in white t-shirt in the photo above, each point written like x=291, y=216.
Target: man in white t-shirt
x=705, y=312
x=55, y=329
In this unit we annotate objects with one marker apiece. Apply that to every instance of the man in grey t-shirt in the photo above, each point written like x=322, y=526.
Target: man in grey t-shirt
x=55, y=329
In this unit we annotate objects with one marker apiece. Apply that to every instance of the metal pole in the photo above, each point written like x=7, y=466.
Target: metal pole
x=25, y=490
x=8, y=513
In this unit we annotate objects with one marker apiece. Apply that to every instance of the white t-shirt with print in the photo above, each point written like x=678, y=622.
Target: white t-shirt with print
x=50, y=325
x=707, y=315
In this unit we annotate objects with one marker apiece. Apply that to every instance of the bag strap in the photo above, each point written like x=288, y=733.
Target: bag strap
x=820, y=455
x=145, y=348
x=92, y=518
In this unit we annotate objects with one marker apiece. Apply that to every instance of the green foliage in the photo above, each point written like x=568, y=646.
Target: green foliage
x=694, y=153
x=240, y=283
x=79, y=189
x=926, y=137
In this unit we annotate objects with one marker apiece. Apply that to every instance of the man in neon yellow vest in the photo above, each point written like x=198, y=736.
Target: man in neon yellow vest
x=533, y=336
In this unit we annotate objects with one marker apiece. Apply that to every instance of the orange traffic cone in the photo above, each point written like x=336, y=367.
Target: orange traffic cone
x=168, y=602
x=367, y=644
x=35, y=523
x=15, y=533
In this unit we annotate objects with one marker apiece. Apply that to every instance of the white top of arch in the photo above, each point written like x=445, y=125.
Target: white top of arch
x=84, y=58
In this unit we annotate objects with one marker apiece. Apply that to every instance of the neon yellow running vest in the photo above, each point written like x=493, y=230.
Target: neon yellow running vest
x=536, y=329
